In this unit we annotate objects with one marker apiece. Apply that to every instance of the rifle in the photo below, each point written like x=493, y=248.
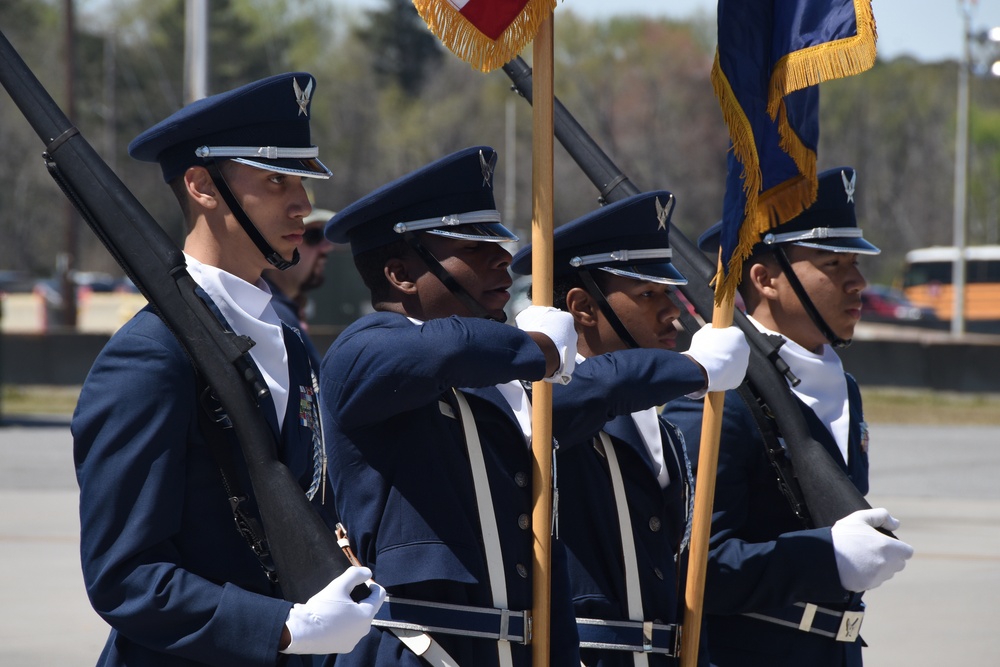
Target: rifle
x=827, y=491
x=305, y=551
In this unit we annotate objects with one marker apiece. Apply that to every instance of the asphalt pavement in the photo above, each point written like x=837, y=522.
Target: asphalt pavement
x=941, y=482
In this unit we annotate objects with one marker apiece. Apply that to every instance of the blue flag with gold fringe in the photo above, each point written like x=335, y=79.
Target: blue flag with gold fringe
x=771, y=56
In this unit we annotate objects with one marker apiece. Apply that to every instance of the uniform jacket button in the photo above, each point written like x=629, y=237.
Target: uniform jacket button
x=654, y=523
x=523, y=522
x=522, y=571
x=521, y=479
x=658, y=572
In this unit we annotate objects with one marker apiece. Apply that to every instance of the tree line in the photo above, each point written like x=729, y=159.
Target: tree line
x=389, y=99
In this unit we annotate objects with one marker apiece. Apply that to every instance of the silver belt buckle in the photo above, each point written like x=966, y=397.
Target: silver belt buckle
x=850, y=626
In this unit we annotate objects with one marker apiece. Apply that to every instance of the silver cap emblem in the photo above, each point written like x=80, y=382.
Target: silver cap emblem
x=849, y=185
x=487, y=167
x=661, y=215
x=302, y=96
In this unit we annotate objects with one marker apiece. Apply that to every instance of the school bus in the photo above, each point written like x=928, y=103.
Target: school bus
x=927, y=280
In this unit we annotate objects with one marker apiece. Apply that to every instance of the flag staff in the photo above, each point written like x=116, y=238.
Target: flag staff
x=542, y=179
x=704, y=495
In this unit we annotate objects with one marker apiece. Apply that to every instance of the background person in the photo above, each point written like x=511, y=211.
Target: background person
x=289, y=287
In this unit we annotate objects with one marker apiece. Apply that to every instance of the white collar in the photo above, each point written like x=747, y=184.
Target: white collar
x=247, y=308
x=822, y=386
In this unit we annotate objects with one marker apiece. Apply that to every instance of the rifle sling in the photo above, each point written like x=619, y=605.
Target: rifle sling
x=784, y=471
x=218, y=431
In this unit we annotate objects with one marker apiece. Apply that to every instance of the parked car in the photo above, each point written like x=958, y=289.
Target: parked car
x=885, y=304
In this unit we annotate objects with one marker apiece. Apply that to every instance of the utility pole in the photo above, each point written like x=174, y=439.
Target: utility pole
x=66, y=263
x=195, y=50
x=961, y=176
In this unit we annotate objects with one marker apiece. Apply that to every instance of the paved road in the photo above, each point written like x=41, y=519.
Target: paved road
x=941, y=482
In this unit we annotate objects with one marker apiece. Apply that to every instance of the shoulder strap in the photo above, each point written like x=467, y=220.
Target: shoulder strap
x=784, y=472
x=633, y=589
x=217, y=429
x=487, y=516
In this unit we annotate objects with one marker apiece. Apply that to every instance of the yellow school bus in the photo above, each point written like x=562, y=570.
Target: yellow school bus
x=927, y=280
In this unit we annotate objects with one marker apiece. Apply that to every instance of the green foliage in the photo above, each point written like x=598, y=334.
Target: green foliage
x=405, y=50
x=390, y=99
x=29, y=200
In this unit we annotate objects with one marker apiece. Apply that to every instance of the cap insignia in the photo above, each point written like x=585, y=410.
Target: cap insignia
x=849, y=185
x=487, y=167
x=661, y=215
x=302, y=96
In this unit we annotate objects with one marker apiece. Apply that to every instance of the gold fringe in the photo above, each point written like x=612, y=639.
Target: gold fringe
x=803, y=156
x=745, y=149
x=464, y=40
x=784, y=201
x=823, y=62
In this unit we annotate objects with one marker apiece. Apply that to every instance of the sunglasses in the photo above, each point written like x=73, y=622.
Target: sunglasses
x=312, y=236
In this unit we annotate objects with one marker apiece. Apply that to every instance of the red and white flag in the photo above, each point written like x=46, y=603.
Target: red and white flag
x=485, y=33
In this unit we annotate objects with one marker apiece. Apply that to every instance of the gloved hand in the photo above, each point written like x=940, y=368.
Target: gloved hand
x=723, y=353
x=558, y=326
x=331, y=622
x=865, y=557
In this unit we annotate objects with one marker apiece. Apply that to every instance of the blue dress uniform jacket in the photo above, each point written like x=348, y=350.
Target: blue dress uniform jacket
x=611, y=387
x=162, y=560
x=288, y=312
x=761, y=558
x=402, y=481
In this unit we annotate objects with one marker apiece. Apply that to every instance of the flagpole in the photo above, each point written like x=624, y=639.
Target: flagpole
x=542, y=179
x=704, y=495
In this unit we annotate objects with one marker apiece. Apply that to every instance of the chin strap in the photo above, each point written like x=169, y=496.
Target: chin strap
x=807, y=303
x=609, y=312
x=270, y=254
x=448, y=280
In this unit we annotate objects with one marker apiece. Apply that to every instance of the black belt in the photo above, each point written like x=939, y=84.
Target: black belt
x=454, y=619
x=844, y=626
x=634, y=636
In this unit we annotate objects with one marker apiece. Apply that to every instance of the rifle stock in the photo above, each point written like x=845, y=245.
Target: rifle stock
x=828, y=493
x=304, y=549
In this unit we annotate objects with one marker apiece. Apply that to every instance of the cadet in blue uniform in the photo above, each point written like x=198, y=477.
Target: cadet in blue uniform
x=428, y=426
x=779, y=592
x=162, y=560
x=289, y=287
x=623, y=474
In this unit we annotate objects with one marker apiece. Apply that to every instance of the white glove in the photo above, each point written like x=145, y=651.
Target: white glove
x=723, y=353
x=558, y=326
x=865, y=557
x=331, y=622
